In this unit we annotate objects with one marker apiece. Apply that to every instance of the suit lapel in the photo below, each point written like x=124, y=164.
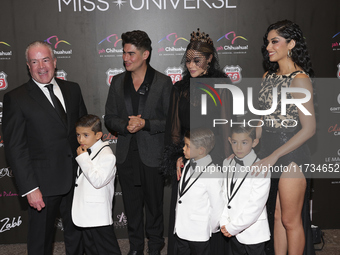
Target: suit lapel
x=229, y=180
x=239, y=181
x=193, y=178
x=36, y=93
x=127, y=95
x=148, y=84
x=149, y=102
x=67, y=99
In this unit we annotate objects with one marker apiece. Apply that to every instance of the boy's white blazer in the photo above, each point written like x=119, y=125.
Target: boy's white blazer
x=199, y=209
x=94, y=191
x=244, y=214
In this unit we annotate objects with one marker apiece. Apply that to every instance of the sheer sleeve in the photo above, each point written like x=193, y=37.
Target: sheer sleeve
x=173, y=136
x=173, y=124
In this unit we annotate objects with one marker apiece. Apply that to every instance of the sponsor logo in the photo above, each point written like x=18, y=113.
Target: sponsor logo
x=335, y=129
x=175, y=73
x=61, y=48
x=105, y=5
x=59, y=224
x=1, y=141
x=8, y=194
x=3, y=81
x=336, y=42
x=112, y=72
x=5, y=54
x=230, y=43
x=172, y=44
x=6, y=224
x=335, y=159
x=111, y=46
x=234, y=73
x=109, y=138
x=61, y=74
x=5, y=172
x=336, y=109
x=121, y=222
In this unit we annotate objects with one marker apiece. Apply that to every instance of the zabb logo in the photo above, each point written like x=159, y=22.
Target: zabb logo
x=7, y=224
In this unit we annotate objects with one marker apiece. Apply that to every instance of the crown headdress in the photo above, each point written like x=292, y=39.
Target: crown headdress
x=200, y=37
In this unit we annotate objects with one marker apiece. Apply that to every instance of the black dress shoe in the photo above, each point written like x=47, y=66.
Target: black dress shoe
x=135, y=253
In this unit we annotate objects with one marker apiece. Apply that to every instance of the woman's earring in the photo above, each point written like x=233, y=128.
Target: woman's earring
x=290, y=53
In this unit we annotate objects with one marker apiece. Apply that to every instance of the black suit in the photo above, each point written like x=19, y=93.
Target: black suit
x=40, y=150
x=138, y=155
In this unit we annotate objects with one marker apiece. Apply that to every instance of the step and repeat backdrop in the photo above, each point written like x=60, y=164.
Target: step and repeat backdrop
x=85, y=37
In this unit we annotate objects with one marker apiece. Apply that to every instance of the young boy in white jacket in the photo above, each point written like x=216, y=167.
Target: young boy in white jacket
x=200, y=197
x=94, y=188
x=244, y=217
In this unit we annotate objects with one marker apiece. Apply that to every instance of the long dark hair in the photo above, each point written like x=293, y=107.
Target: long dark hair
x=300, y=56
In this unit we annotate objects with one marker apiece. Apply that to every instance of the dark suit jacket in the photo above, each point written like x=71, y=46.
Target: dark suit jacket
x=150, y=143
x=39, y=147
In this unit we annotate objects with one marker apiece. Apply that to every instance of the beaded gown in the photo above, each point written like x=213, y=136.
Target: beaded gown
x=276, y=131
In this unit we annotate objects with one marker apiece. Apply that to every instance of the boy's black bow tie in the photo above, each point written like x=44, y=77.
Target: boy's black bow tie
x=193, y=164
x=238, y=161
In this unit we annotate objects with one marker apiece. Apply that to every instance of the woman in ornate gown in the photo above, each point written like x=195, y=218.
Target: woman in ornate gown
x=200, y=61
x=284, y=136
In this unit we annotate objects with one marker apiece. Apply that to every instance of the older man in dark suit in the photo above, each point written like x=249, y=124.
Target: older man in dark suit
x=136, y=109
x=40, y=146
